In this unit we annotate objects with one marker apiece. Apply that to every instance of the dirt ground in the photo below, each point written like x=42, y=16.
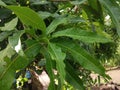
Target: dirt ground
x=114, y=74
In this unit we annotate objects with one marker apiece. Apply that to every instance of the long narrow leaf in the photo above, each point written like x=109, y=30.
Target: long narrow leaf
x=82, y=56
x=114, y=11
x=29, y=17
x=49, y=68
x=54, y=24
x=73, y=78
x=57, y=55
x=82, y=35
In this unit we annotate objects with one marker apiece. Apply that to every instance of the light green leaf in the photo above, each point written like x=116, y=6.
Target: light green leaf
x=82, y=56
x=83, y=35
x=10, y=25
x=57, y=55
x=15, y=41
x=17, y=63
x=29, y=17
x=114, y=11
x=44, y=15
x=4, y=35
x=77, y=2
x=2, y=3
x=49, y=67
x=40, y=2
x=55, y=23
x=7, y=52
x=73, y=78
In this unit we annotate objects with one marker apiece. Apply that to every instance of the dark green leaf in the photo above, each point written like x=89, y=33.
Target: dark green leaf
x=29, y=17
x=49, y=68
x=82, y=35
x=114, y=11
x=73, y=78
x=82, y=56
x=55, y=23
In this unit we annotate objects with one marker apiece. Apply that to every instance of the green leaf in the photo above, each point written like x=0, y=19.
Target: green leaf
x=82, y=56
x=15, y=41
x=83, y=35
x=40, y=2
x=77, y=2
x=29, y=17
x=73, y=78
x=7, y=52
x=17, y=63
x=55, y=23
x=4, y=35
x=49, y=67
x=2, y=3
x=114, y=11
x=44, y=15
x=57, y=55
x=10, y=25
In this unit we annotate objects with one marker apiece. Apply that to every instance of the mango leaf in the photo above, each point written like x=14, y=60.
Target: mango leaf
x=80, y=55
x=57, y=55
x=45, y=14
x=4, y=35
x=29, y=17
x=15, y=41
x=40, y=2
x=77, y=2
x=8, y=75
x=2, y=3
x=72, y=78
x=114, y=11
x=49, y=67
x=83, y=35
x=55, y=23
x=10, y=25
x=7, y=52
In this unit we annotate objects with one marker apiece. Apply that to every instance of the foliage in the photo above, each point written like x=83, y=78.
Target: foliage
x=63, y=33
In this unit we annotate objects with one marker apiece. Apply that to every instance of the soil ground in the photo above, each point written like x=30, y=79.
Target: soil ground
x=114, y=74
